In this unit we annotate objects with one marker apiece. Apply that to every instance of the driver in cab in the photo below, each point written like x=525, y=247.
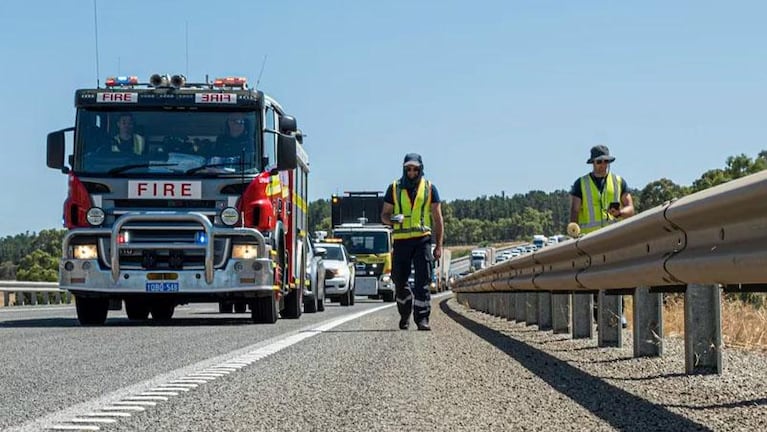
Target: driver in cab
x=127, y=141
x=236, y=138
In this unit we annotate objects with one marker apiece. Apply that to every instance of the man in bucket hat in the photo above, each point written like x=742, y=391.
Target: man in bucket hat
x=412, y=208
x=600, y=197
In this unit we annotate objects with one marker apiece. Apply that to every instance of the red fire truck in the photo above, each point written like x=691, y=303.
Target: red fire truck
x=182, y=192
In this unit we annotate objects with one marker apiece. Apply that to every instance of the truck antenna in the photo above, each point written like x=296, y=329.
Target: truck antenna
x=96, y=31
x=186, y=45
x=261, y=72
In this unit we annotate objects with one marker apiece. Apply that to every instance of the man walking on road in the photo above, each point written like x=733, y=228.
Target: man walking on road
x=412, y=208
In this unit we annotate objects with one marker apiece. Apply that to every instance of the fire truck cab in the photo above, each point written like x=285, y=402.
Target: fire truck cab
x=182, y=192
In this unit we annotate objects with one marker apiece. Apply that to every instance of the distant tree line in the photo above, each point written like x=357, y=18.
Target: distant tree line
x=496, y=218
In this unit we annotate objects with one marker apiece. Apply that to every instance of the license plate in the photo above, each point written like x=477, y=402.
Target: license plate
x=162, y=287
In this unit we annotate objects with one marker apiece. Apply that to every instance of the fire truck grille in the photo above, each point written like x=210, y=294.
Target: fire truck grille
x=149, y=204
x=146, y=257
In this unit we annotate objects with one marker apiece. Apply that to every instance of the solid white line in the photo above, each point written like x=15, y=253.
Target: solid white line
x=123, y=408
x=135, y=403
x=145, y=398
x=158, y=393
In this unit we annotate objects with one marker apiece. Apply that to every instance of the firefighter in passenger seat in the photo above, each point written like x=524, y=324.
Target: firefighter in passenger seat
x=412, y=208
x=127, y=141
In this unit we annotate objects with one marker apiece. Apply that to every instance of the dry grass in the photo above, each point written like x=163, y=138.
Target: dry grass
x=743, y=325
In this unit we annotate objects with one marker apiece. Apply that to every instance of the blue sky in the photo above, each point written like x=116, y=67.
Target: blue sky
x=496, y=95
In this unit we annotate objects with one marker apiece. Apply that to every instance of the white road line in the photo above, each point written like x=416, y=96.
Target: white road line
x=107, y=414
x=85, y=419
x=120, y=399
x=74, y=427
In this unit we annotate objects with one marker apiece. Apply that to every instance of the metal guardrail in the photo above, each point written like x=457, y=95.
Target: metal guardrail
x=700, y=244
x=28, y=292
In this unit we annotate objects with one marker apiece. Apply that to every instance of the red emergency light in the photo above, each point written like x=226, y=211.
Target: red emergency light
x=240, y=82
x=121, y=81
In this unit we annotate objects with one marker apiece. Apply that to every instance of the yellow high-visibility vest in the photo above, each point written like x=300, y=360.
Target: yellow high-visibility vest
x=594, y=205
x=138, y=144
x=417, y=214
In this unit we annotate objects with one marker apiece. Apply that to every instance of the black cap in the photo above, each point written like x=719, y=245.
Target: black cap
x=413, y=159
x=600, y=152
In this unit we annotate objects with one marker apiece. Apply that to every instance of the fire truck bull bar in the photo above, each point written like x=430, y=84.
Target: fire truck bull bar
x=208, y=246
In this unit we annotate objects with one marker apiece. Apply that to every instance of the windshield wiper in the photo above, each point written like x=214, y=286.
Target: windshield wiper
x=202, y=167
x=118, y=170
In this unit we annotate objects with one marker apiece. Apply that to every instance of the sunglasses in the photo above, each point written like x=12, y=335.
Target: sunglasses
x=601, y=161
x=413, y=169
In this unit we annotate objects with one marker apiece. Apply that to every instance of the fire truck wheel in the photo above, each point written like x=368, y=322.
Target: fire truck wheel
x=162, y=311
x=225, y=307
x=91, y=311
x=264, y=310
x=136, y=309
x=240, y=307
x=310, y=304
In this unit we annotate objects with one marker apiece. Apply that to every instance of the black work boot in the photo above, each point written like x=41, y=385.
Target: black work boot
x=404, y=322
x=423, y=324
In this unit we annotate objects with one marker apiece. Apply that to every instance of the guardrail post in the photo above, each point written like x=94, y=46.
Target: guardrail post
x=20, y=298
x=609, y=313
x=703, y=329
x=497, y=306
x=583, y=309
x=6, y=298
x=521, y=306
x=68, y=295
x=531, y=317
x=503, y=302
x=57, y=297
x=493, y=306
x=560, y=312
x=544, y=311
x=512, y=306
x=648, y=323
x=33, y=298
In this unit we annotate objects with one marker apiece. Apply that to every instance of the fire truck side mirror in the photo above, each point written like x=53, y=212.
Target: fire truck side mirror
x=286, y=153
x=288, y=124
x=56, y=150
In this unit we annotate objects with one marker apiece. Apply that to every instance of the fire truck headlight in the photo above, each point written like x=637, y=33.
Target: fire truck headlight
x=95, y=216
x=244, y=251
x=386, y=278
x=230, y=216
x=85, y=251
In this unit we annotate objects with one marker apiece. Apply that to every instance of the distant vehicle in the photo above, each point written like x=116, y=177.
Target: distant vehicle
x=442, y=271
x=539, y=241
x=482, y=257
x=339, y=273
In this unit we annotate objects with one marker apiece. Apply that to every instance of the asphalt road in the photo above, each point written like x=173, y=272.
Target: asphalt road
x=350, y=369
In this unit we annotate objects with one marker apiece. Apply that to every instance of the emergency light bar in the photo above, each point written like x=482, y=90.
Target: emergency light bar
x=121, y=81
x=240, y=82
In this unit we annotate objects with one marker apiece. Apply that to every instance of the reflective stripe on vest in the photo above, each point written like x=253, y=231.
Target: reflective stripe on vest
x=417, y=221
x=594, y=205
x=138, y=144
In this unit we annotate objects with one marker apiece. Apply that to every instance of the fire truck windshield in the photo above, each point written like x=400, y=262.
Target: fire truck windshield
x=166, y=142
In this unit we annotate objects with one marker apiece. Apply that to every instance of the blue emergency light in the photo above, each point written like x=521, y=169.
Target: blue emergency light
x=121, y=81
x=200, y=238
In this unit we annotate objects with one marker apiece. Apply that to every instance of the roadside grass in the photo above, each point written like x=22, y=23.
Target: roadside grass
x=743, y=324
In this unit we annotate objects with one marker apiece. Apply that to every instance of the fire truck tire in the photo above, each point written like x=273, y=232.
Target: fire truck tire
x=388, y=297
x=91, y=311
x=225, y=307
x=162, y=311
x=240, y=307
x=264, y=310
x=136, y=309
x=310, y=304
